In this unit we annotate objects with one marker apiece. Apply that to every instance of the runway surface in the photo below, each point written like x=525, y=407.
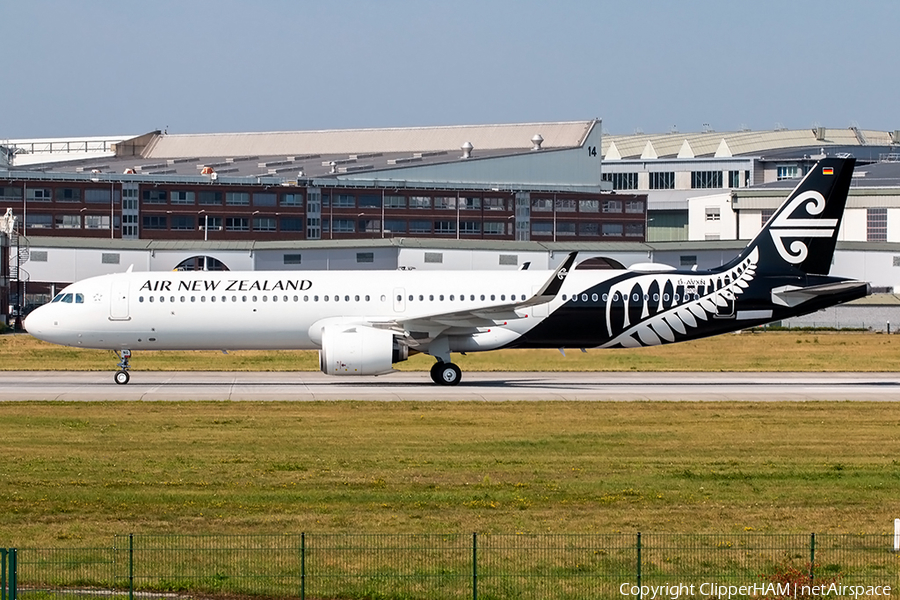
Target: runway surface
x=306, y=386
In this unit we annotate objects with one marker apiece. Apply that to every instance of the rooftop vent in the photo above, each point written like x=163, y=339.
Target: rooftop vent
x=895, y=136
x=467, y=149
x=820, y=133
x=536, y=142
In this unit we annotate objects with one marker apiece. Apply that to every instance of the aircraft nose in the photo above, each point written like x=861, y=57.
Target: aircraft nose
x=37, y=323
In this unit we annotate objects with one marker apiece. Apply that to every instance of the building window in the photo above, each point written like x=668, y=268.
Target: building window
x=565, y=229
x=789, y=172
x=621, y=181
x=182, y=197
x=155, y=222
x=182, y=223
x=263, y=199
x=292, y=200
x=542, y=205
x=38, y=221
x=419, y=226
x=662, y=181
x=493, y=228
x=395, y=201
x=97, y=196
x=589, y=229
x=290, y=224
x=344, y=226
x=67, y=221
x=365, y=257
x=509, y=259
x=876, y=224
x=38, y=194
x=445, y=203
x=611, y=230
x=394, y=226
x=155, y=196
x=687, y=260
x=96, y=221
x=434, y=257
x=211, y=198
x=369, y=225
x=612, y=206
x=702, y=180
x=369, y=201
x=420, y=202
x=469, y=227
x=564, y=205
x=495, y=204
x=634, y=230
x=713, y=213
x=39, y=256
x=541, y=228
x=634, y=206
x=237, y=198
x=109, y=258
x=766, y=214
x=11, y=193
x=68, y=195
x=237, y=224
x=589, y=206
x=293, y=259
x=263, y=223
x=469, y=203
x=734, y=179
x=444, y=227
x=345, y=201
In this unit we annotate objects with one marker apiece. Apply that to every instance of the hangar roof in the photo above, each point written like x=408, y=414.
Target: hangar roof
x=710, y=144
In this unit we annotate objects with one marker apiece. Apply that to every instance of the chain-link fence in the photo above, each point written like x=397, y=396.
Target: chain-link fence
x=452, y=566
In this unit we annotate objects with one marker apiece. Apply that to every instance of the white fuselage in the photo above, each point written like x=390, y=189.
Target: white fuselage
x=201, y=310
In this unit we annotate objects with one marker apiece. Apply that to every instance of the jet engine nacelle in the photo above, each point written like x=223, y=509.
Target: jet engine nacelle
x=359, y=350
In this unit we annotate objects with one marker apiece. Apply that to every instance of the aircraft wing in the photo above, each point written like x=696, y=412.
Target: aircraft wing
x=486, y=316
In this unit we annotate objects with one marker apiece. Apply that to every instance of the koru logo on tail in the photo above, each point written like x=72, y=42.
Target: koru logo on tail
x=786, y=226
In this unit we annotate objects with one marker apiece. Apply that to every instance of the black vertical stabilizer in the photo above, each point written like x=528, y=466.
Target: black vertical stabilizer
x=801, y=235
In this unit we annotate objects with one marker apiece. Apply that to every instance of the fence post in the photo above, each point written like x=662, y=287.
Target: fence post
x=812, y=556
x=474, y=566
x=130, y=566
x=2, y=573
x=302, y=565
x=13, y=574
x=639, y=564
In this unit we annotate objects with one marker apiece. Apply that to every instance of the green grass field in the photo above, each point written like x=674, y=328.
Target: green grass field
x=74, y=473
x=756, y=351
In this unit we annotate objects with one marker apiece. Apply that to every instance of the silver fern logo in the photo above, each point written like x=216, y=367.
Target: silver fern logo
x=784, y=225
x=654, y=311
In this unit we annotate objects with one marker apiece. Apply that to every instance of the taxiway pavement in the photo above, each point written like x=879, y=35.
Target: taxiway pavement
x=498, y=386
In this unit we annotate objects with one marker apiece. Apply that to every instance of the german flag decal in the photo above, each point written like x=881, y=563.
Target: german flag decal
x=827, y=171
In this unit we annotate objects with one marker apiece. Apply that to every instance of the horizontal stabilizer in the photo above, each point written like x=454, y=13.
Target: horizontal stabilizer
x=792, y=295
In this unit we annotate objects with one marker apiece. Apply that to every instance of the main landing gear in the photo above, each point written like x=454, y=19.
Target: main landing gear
x=121, y=377
x=445, y=373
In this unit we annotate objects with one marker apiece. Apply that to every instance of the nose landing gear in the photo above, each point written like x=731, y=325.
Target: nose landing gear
x=121, y=377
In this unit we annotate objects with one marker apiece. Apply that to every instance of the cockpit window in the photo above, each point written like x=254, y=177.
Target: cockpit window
x=57, y=298
x=67, y=299
x=79, y=298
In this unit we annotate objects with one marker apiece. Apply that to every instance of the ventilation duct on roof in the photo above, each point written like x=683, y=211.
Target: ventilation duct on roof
x=895, y=136
x=820, y=133
x=536, y=142
x=467, y=149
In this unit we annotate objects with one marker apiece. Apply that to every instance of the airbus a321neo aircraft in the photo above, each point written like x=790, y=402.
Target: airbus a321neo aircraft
x=364, y=321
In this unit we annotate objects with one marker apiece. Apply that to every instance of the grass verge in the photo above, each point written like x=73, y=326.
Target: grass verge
x=74, y=473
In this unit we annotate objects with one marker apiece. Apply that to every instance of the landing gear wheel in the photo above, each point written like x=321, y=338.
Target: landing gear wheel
x=436, y=372
x=122, y=377
x=446, y=374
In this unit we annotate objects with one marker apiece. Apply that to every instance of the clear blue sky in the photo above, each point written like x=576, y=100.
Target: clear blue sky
x=119, y=67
